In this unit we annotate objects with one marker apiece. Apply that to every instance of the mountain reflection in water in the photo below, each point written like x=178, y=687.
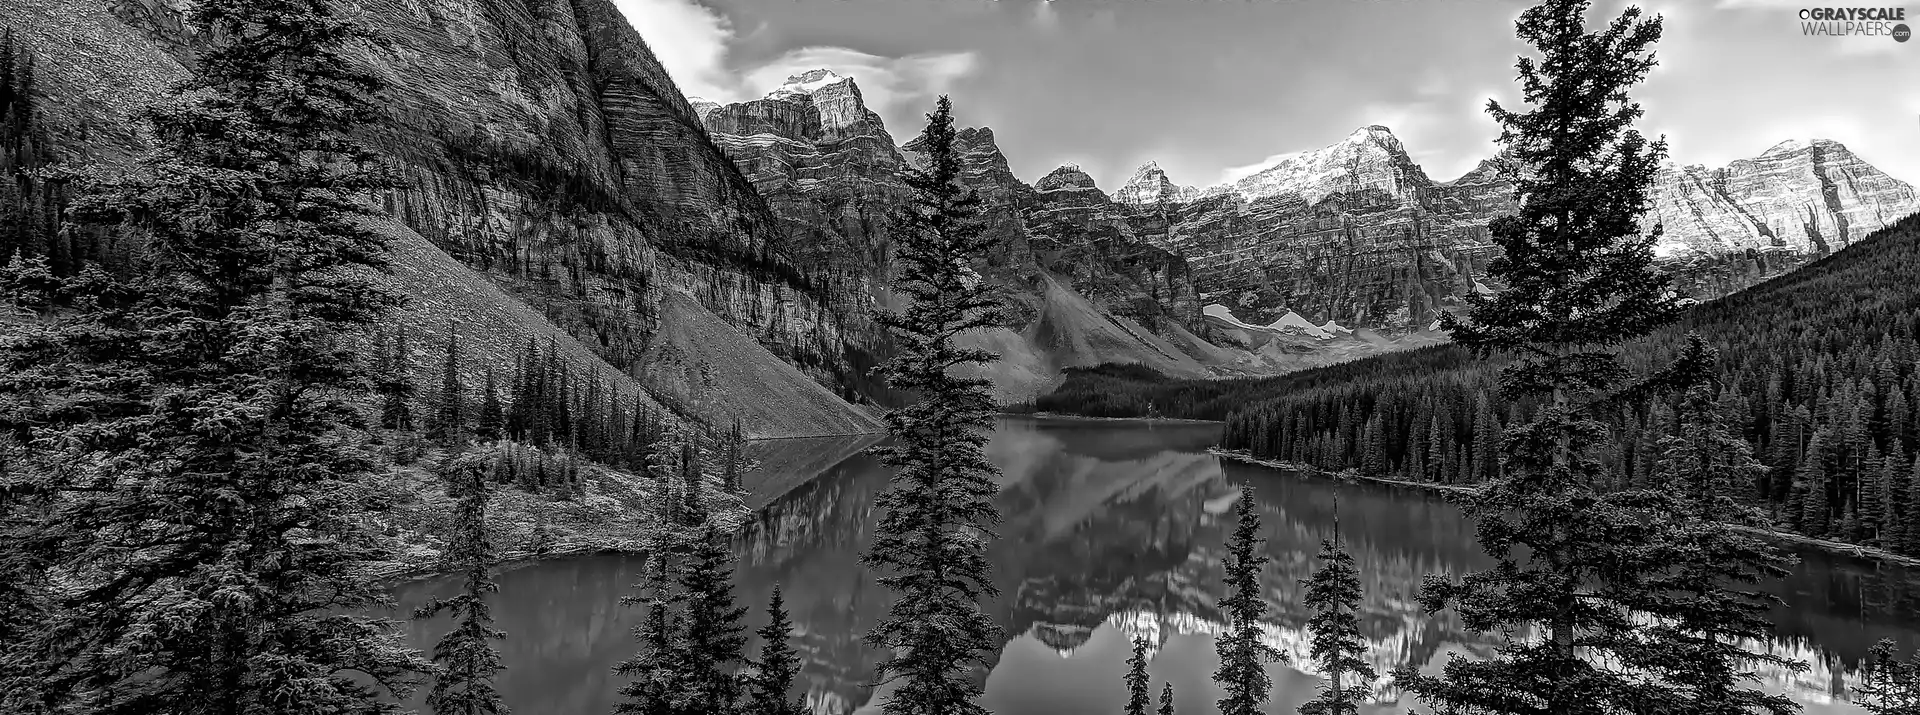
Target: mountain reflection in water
x=1111, y=530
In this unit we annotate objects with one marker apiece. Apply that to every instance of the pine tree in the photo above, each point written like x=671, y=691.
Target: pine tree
x=714, y=640
x=777, y=666
x=1333, y=596
x=395, y=383
x=1912, y=542
x=491, y=423
x=929, y=544
x=1704, y=565
x=467, y=657
x=654, y=669
x=693, y=494
x=1887, y=685
x=1580, y=280
x=1137, y=694
x=205, y=406
x=1166, y=699
x=449, y=419
x=1243, y=652
x=736, y=440
x=1811, y=488
x=24, y=594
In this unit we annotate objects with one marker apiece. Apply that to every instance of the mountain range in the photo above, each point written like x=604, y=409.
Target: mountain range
x=725, y=261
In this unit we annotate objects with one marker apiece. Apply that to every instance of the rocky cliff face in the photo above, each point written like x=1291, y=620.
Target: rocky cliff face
x=1799, y=197
x=1080, y=285
x=1358, y=234
x=548, y=154
x=1355, y=233
x=1150, y=186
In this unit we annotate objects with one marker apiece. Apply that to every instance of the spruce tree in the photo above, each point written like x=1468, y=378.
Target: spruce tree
x=1580, y=281
x=197, y=419
x=395, y=383
x=1699, y=575
x=713, y=639
x=449, y=417
x=777, y=666
x=930, y=542
x=1138, y=697
x=736, y=440
x=1333, y=597
x=653, y=670
x=491, y=422
x=1243, y=651
x=468, y=660
x=1166, y=699
x=1888, y=685
x=24, y=594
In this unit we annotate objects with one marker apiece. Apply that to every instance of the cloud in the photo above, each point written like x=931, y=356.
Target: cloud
x=885, y=82
x=691, y=40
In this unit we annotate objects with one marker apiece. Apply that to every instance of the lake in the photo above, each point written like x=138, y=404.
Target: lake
x=1112, y=530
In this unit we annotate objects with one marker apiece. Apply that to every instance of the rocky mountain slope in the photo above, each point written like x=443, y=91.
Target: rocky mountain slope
x=1358, y=234
x=1081, y=288
x=558, y=184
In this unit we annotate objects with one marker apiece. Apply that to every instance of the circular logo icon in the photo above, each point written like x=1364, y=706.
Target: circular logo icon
x=1901, y=33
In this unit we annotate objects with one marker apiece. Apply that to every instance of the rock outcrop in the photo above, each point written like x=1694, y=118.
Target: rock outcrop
x=546, y=151
x=1150, y=186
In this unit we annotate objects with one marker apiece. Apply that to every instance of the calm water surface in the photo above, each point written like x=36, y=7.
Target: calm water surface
x=1112, y=530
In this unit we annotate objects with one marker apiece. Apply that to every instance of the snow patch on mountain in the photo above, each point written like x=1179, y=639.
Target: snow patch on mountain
x=806, y=82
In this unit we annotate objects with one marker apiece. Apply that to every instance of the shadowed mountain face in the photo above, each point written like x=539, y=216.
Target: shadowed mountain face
x=1080, y=287
x=1111, y=531
x=557, y=187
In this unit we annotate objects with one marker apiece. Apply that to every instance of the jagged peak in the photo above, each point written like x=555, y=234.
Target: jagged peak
x=1150, y=184
x=808, y=82
x=1785, y=146
x=1793, y=145
x=971, y=138
x=1067, y=176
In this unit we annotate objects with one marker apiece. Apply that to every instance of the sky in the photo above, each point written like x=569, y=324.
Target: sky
x=1210, y=89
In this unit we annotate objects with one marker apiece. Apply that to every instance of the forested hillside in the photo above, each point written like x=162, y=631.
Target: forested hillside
x=1817, y=369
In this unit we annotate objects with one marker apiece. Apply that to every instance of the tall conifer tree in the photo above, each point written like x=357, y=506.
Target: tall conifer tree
x=1138, y=695
x=1580, y=280
x=714, y=641
x=1338, y=648
x=1700, y=573
x=1243, y=649
x=1888, y=685
x=467, y=657
x=198, y=419
x=777, y=666
x=449, y=415
x=930, y=543
x=1166, y=700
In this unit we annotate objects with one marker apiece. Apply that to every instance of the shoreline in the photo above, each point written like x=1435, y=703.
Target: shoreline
x=1061, y=417
x=393, y=574
x=1870, y=553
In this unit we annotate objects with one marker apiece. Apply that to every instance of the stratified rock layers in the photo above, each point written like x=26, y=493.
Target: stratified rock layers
x=1081, y=288
x=545, y=148
x=1359, y=234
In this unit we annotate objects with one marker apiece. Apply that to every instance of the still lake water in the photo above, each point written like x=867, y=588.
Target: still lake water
x=1111, y=530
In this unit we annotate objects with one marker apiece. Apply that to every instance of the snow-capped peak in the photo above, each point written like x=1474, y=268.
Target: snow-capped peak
x=806, y=82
